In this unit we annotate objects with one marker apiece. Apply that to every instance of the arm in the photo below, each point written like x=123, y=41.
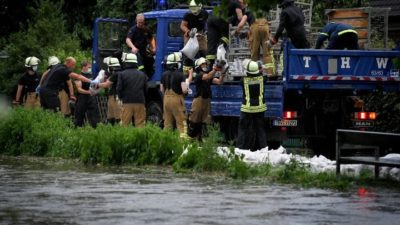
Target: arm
x=184, y=28
x=184, y=87
x=131, y=45
x=282, y=25
x=209, y=75
x=219, y=80
x=44, y=76
x=79, y=77
x=162, y=88
x=19, y=92
x=242, y=18
x=71, y=89
x=106, y=84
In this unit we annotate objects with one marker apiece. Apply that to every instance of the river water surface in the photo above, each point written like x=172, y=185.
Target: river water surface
x=37, y=192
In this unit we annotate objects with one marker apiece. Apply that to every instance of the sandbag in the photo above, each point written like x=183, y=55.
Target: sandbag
x=100, y=79
x=191, y=48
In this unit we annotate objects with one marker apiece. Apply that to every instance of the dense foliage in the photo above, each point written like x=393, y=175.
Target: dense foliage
x=43, y=133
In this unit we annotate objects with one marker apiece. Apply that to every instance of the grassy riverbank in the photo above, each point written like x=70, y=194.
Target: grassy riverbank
x=45, y=134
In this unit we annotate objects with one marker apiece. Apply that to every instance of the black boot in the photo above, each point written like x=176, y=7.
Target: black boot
x=194, y=129
x=111, y=121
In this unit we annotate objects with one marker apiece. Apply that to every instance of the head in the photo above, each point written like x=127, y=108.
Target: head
x=284, y=3
x=195, y=8
x=130, y=60
x=86, y=67
x=242, y=3
x=251, y=68
x=70, y=62
x=113, y=64
x=201, y=64
x=174, y=60
x=31, y=63
x=140, y=20
x=53, y=60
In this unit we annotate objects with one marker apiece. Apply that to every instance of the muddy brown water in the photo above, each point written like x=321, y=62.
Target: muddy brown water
x=37, y=192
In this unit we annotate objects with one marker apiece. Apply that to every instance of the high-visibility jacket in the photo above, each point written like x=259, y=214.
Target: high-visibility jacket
x=253, y=95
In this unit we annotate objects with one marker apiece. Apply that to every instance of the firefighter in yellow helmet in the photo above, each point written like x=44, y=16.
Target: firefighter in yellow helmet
x=251, y=134
x=131, y=89
x=27, y=84
x=174, y=87
x=201, y=105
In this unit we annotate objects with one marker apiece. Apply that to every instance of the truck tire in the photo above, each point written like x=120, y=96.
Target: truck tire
x=154, y=113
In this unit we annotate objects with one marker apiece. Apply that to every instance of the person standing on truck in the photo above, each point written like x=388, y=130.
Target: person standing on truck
x=27, y=84
x=86, y=104
x=251, y=133
x=340, y=36
x=51, y=84
x=195, y=18
x=173, y=86
x=258, y=37
x=292, y=20
x=131, y=89
x=201, y=105
x=141, y=42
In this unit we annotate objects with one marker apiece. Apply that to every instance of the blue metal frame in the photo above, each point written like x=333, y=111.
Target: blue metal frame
x=95, y=44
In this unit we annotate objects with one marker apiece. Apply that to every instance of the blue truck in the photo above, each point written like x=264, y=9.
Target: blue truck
x=313, y=98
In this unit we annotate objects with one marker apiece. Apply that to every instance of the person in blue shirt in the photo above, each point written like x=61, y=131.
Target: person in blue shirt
x=340, y=36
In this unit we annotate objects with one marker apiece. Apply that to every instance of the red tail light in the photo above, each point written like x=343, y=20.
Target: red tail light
x=289, y=114
x=365, y=115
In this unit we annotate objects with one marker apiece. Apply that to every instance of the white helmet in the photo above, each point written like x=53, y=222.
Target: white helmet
x=111, y=62
x=251, y=67
x=130, y=58
x=199, y=62
x=31, y=61
x=195, y=8
x=175, y=57
x=53, y=60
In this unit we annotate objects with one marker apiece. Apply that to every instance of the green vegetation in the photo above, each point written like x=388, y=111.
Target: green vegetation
x=43, y=133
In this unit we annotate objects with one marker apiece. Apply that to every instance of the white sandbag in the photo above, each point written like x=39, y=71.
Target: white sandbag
x=191, y=48
x=221, y=53
x=100, y=79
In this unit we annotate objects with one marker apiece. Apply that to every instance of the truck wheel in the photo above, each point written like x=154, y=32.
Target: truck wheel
x=154, y=113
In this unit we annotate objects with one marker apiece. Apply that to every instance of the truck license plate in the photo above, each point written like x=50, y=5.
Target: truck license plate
x=359, y=123
x=285, y=123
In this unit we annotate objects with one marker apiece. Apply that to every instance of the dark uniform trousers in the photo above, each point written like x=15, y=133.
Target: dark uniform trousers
x=49, y=100
x=251, y=133
x=86, y=105
x=199, y=115
x=218, y=30
x=174, y=111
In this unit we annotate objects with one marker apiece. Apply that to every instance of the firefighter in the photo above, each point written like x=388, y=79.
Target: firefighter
x=173, y=86
x=201, y=105
x=27, y=84
x=251, y=133
x=113, y=105
x=291, y=19
x=53, y=81
x=86, y=104
x=258, y=37
x=195, y=18
x=340, y=35
x=131, y=88
x=141, y=42
x=238, y=15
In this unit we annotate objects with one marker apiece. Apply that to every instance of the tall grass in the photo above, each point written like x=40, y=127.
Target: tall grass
x=42, y=133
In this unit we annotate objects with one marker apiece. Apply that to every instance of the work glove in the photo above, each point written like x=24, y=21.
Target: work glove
x=193, y=32
x=37, y=89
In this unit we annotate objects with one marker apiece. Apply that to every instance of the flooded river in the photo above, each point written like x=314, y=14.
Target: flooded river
x=36, y=192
